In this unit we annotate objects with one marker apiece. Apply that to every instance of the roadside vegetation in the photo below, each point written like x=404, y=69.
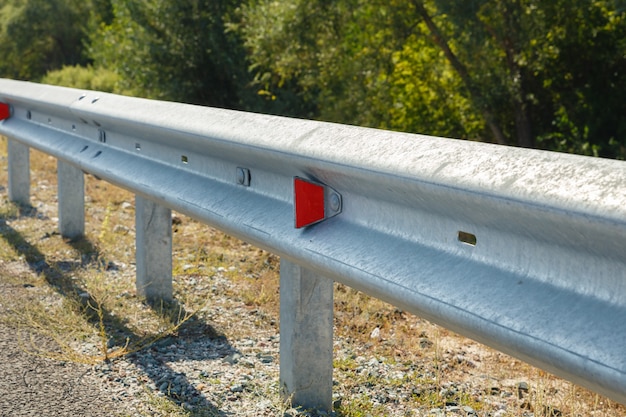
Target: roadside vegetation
x=532, y=73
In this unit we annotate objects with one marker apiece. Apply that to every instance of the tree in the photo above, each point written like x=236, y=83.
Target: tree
x=539, y=59
x=521, y=72
x=358, y=62
x=87, y=78
x=37, y=36
x=166, y=49
x=585, y=79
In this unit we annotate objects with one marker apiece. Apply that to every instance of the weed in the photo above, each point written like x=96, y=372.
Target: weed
x=165, y=406
x=361, y=406
x=347, y=363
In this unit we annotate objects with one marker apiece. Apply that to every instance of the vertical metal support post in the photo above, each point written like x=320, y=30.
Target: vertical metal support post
x=71, y=195
x=306, y=337
x=153, y=250
x=19, y=172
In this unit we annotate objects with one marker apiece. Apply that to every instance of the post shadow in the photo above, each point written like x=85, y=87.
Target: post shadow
x=55, y=274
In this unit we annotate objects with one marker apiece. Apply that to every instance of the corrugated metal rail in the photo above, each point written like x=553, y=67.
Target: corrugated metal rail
x=520, y=249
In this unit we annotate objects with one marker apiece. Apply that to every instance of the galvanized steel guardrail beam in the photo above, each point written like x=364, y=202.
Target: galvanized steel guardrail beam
x=522, y=250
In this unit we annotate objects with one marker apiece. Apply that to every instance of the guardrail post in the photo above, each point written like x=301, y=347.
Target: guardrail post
x=19, y=172
x=306, y=337
x=71, y=196
x=153, y=250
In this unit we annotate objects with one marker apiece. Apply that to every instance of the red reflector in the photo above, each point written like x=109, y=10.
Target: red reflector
x=309, y=202
x=5, y=111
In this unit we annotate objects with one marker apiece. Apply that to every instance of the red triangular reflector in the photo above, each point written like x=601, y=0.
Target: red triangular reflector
x=5, y=111
x=309, y=202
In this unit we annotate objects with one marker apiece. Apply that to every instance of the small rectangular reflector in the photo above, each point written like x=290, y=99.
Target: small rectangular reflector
x=5, y=111
x=309, y=202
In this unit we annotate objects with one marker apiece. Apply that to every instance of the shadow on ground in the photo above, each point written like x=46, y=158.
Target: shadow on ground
x=173, y=385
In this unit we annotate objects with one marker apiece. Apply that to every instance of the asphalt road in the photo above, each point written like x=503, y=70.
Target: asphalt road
x=37, y=386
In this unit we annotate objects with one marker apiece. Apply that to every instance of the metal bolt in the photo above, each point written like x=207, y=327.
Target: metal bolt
x=240, y=176
x=335, y=202
x=243, y=176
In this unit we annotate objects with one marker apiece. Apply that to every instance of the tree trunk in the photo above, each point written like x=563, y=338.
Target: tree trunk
x=508, y=43
x=458, y=66
x=522, y=127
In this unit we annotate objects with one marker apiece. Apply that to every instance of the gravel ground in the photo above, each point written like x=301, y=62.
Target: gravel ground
x=207, y=375
x=200, y=373
x=195, y=373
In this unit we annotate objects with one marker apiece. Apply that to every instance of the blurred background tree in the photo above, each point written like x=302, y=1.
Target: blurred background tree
x=168, y=49
x=37, y=36
x=532, y=73
x=536, y=73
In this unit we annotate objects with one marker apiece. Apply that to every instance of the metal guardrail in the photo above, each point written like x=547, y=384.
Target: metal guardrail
x=522, y=250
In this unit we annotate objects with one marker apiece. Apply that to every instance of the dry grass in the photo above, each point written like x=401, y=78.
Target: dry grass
x=83, y=298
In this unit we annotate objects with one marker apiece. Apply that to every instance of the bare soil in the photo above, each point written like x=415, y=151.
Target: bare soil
x=36, y=386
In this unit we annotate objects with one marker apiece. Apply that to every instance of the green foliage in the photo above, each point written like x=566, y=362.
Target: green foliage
x=354, y=62
x=553, y=67
x=421, y=83
x=87, y=78
x=166, y=49
x=525, y=72
x=586, y=94
x=535, y=73
x=37, y=36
